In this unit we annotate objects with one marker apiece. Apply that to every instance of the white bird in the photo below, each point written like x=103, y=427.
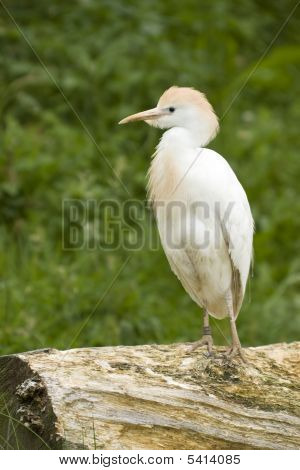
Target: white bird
x=202, y=211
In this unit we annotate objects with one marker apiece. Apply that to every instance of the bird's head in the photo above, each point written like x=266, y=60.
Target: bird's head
x=181, y=107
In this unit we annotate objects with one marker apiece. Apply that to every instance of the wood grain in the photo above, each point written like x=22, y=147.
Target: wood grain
x=151, y=397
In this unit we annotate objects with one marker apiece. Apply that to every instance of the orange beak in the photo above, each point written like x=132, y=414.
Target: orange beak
x=145, y=115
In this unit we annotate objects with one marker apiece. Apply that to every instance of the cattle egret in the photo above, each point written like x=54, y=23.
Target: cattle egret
x=202, y=211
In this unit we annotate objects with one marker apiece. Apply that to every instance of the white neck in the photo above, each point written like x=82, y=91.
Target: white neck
x=196, y=133
x=180, y=137
x=170, y=162
x=173, y=155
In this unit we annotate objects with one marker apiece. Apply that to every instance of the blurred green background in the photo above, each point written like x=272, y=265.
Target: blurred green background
x=110, y=59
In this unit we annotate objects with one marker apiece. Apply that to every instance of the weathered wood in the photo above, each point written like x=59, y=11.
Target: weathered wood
x=151, y=397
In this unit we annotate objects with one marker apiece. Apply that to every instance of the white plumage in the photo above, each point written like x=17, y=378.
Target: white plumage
x=203, y=215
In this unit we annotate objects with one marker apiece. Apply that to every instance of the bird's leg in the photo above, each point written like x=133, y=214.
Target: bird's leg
x=206, y=339
x=236, y=348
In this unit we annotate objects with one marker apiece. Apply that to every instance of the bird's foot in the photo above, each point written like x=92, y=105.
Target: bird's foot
x=207, y=341
x=234, y=351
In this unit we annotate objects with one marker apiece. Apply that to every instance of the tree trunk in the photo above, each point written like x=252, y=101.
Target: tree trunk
x=151, y=397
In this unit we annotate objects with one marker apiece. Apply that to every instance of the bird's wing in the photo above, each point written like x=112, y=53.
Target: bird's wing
x=234, y=216
x=237, y=226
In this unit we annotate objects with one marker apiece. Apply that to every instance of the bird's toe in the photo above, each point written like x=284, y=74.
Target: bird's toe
x=207, y=341
x=235, y=351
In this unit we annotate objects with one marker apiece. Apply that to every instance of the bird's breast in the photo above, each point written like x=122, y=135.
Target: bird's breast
x=164, y=177
x=183, y=198
x=170, y=173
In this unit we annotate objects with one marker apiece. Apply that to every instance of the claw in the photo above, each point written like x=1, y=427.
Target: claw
x=206, y=340
x=235, y=350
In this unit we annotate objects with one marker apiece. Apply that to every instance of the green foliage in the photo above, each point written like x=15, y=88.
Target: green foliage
x=109, y=59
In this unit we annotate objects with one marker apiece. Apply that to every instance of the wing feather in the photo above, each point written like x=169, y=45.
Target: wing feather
x=237, y=228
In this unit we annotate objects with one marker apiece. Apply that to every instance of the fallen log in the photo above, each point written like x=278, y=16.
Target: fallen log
x=151, y=397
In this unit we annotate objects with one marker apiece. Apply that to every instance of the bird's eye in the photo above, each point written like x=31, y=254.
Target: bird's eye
x=171, y=109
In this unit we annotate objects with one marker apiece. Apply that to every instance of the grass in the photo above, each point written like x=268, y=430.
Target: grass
x=111, y=59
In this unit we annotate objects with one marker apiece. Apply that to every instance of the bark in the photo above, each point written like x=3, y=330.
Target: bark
x=151, y=397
